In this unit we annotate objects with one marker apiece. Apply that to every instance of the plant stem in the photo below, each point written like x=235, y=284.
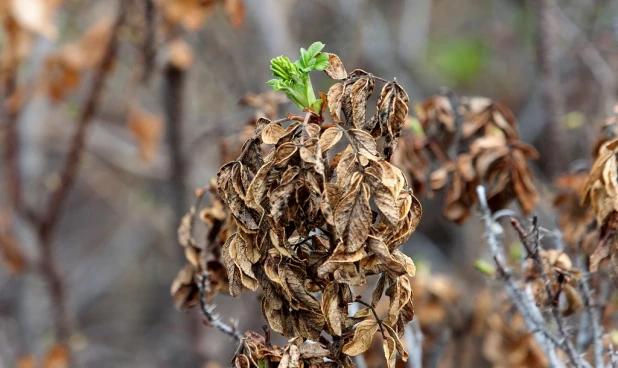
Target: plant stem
x=375, y=314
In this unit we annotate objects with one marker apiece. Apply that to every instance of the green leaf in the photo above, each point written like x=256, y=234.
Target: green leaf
x=321, y=61
x=314, y=49
x=316, y=106
x=293, y=78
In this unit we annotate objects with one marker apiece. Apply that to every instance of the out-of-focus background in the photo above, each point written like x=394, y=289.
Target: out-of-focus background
x=114, y=246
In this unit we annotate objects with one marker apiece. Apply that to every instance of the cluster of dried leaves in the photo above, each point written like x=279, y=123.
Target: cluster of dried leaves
x=307, y=212
x=599, y=200
x=459, y=143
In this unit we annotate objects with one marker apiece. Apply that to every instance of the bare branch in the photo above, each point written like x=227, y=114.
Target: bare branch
x=593, y=314
x=533, y=253
x=524, y=304
x=68, y=174
x=208, y=310
x=172, y=95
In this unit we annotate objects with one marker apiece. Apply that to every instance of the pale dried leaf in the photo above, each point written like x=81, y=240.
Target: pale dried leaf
x=363, y=334
x=335, y=69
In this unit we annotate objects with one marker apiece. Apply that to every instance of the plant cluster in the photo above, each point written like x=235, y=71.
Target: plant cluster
x=459, y=143
x=307, y=221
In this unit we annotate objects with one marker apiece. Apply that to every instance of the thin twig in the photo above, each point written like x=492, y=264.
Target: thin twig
x=592, y=312
x=524, y=304
x=173, y=97
x=68, y=175
x=533, y=253
x=375, y=314
x=208, y=310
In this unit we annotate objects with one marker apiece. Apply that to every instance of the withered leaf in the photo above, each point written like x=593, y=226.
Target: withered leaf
x=378, y=290
x=335, y=97
x=346, y=99
x=377, y=246
x=233, y=271
x=186, y=227
x=329, y=138
x=272, y=133
x=335, y=69
x=241, y=361
x=279, y=198
x=353, y=215
x=183, y=289
x=294, y=278
x=385, y=200
x=360, y=92
x=363, y=141
x=363, y=334
x=313, y=350
x=291, y=358
x=389, y=351
x=392, y=113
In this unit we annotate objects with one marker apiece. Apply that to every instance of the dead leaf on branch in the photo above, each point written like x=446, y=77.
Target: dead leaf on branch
x=335, y=69
x=391, y=115
x=363, y=334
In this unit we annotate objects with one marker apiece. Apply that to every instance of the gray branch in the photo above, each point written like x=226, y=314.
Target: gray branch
x=524, y=304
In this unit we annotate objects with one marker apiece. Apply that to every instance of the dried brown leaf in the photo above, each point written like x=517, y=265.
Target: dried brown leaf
x=335, y=69
x=363, y=334
x=353, y=215
x=329, y=138
x=335, y=97
x=272, y=133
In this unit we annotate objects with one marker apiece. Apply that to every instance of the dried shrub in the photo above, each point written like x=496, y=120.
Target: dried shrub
x=307, y=211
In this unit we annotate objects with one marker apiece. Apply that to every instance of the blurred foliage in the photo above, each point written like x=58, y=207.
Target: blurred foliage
x=461, y=60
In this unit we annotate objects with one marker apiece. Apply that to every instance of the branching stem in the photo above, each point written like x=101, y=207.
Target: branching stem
x=375, y=314
x=208, y=310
